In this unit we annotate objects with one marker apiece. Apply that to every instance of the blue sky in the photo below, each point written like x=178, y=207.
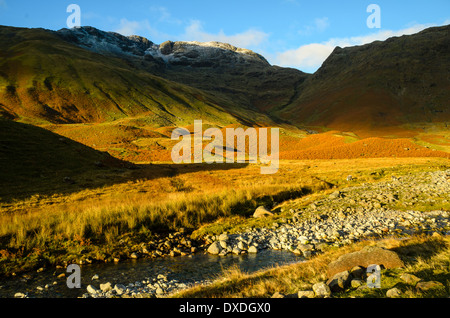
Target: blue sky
x=294, y=33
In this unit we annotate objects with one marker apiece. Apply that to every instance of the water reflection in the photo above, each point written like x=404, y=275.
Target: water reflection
x=185, y=269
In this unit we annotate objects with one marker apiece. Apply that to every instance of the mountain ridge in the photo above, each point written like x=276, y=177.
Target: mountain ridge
x=403, y=80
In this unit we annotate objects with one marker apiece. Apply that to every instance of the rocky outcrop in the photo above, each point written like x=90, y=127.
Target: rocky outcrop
x=106, y=42
x=196, y=54
x=204, y=54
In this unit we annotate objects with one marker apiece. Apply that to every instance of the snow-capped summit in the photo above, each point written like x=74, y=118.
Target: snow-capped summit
x=196, y=54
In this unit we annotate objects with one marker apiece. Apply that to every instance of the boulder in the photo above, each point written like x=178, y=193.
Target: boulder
x=306, y=294
x=365, y=257
x=241, y=245
x=427, y=286
x=262, y=211
x=223, y=237
x=91, y=289
x=134, y=255
x=214, y=248
x=252, y=249
x=305, y=247
x=120, y=289
x=106, y=287
x=393, y=293
x=410, y=279
x=339, y=281
x=236, y=250
x=355, y=283
x=321, y=289
x=358, y=272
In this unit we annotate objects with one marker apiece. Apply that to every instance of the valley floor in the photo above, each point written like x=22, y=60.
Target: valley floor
x=135, y=218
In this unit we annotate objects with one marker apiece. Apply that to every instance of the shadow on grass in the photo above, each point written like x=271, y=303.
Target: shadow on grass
x=409, y=254
x=36, y=161
x=67, y=182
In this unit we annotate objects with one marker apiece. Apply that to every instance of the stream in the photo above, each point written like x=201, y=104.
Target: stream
x=189, y=270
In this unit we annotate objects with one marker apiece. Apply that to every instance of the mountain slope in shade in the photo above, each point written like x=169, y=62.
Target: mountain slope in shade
x=35, y=160
x=379, y=86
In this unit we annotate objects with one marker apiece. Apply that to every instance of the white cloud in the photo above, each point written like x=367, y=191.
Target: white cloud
x=319, y=25
x=129, y=27
x=142, y=28
x=164, y=15
x=194, y=31
x=310, y=57
x=252, y=37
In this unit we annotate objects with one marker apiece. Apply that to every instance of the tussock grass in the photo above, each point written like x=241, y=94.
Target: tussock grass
x=110, y=221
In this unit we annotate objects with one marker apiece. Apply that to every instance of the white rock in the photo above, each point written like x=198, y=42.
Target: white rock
x=106, y=287
x=92, y=290
x=120, y=289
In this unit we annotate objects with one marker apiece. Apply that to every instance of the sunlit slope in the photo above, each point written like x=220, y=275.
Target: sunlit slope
x=379, y=86
x=46, y=79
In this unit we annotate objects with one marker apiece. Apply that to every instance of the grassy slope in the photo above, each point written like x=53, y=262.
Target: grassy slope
x=92, y=222
x=45, y=79
x=383, y=85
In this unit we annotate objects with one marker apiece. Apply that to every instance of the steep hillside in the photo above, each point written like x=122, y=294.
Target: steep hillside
x=379, y=86
x=239, y=76
x=87, y=75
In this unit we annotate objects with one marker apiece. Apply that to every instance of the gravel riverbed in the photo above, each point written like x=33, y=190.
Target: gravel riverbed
x=342, y=217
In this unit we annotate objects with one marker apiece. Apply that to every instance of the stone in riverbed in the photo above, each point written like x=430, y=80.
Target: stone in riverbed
x=120, y=289
x=91, y=289
x=214, y=248
x=241, y=245
x=252, y=249
x=134, y=255
x=105, y=287
x=223, y=237
x=236, y=250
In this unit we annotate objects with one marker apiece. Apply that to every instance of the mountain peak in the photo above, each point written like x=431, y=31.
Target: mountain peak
x=178, y=53
x=106, y=42
x=211, y=53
